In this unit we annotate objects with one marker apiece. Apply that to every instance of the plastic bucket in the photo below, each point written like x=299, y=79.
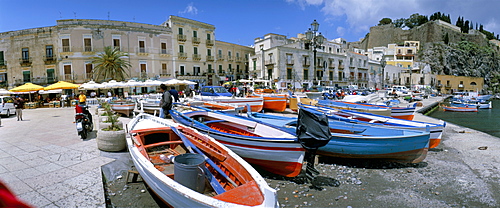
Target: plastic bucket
x=188, y=171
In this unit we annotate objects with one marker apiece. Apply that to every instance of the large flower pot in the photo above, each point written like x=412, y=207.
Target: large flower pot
x=103, y=124
x=111, y=141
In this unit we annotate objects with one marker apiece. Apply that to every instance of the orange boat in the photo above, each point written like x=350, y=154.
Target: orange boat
x=272, y=102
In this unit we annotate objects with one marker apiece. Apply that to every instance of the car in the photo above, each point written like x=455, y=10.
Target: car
x=7, y=106
x=215, y=91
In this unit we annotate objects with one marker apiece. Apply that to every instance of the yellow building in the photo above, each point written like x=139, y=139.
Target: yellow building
x=448, y=84
x=402, y=55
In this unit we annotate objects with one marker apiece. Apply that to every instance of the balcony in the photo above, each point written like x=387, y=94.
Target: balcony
x=210, y=58
x=230, y=58
x=447, y=86
x=220, y=57
x=181, y=37
x=239, y=59
x=66, y=49
x=210, y=71
x=341, y=66
x=25, y=61
x=306, y=64
x=68, y=77
x=49, y=60
x=210, y=43
x=270, y=62
x=331, y=66
x=196, y=57
x=222, y=73
x=196, y=40
x=182, y=55
x=88, y=48
x=289, y=62
x=3, y=64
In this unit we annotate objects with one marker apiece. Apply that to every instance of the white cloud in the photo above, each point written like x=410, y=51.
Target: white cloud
x=190, y=9
x=340, y=31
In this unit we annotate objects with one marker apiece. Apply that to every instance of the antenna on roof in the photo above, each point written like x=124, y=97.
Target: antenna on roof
x=60, y=15
x=74, y=14
x=108, y=15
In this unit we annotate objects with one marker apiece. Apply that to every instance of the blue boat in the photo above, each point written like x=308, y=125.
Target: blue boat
x=350, y=140
x=380, y=121
x=375, y=109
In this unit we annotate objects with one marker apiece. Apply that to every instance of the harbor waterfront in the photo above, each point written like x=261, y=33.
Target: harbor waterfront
x=485, y=120
x=46, y=164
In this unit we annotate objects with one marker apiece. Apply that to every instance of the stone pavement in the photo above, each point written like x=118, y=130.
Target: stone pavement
x=46, y=164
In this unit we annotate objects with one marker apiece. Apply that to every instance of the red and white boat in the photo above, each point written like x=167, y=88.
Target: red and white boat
x=459, y=109
x=256, y=103
x=272, y=102
x=202, y=173
x=124, y=107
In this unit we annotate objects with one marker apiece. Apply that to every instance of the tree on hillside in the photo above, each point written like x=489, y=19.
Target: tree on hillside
x=110, y=64
x=385, y=21
x=400, y=23
x=416, y=20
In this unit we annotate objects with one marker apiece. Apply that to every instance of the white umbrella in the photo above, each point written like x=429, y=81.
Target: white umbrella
x=115, y=84
x=91, y=85
x=152, y=83
x=245, y=80
x=5, y=92
x=187, y=82
x=173, y=82
x=133, y=83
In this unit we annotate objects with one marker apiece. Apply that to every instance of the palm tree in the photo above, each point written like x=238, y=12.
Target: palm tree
x=110, y=64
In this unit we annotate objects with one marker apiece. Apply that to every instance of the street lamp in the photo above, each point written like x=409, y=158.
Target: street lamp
x=315, y=40
x=382, y=64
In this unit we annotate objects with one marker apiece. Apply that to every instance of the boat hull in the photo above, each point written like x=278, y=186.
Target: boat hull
x=123, y=108
x=278, y=152
x=459, y=109
x=256, y=104
x=252, y=189
x=273, y=102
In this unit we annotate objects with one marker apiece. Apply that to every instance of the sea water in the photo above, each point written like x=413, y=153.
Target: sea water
x=485, y=120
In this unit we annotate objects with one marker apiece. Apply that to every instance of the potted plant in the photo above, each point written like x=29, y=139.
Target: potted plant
x=110, y=137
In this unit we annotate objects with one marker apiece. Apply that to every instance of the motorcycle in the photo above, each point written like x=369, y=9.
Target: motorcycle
x=83, y=120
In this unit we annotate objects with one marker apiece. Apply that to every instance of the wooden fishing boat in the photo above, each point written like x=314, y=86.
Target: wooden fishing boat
x=379, y=110
x=406, y=113
x=124, y=107
x=225, y=107
x=459, y=109
x=272, y=102
x=257, y=103
x=359, y=141
x=149, y=105
x=270, y=148
x=179, y=182
x=436, y=130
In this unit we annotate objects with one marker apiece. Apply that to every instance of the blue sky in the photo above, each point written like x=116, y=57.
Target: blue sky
x=241, y=21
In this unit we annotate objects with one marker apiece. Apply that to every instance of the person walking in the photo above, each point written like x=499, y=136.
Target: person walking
x=174, y=93
x=19, y=105
x=165, y=102
x=82, y=98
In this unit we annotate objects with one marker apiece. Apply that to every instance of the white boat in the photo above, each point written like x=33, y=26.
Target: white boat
x=256, y=103
x=188, y=169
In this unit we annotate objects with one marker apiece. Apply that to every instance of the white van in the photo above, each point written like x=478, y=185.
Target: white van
x=7, y=106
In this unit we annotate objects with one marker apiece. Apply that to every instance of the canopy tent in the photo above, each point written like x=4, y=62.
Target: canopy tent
x=115, y=84
x=152, y=83
x=91, y=85
x=187, y=82
x=27, y=88
x=61, y=85
x=50, y=91
x=133, y=83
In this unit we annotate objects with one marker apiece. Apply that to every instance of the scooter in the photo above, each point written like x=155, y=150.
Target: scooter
x=83, y=120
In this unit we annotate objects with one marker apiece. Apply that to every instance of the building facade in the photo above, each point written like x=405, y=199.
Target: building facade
x=289, y=63
x=447, y=84
x=178, y=48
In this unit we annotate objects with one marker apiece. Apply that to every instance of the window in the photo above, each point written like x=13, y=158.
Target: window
x=142, y=48
x=2, y=60
x=164, y=48
x=208, y=36
x=473, y=83
x=116, y=43
x=195, y=33
x=210, y=70
x=209, y=52
x=195, y=50
x=196, y=70
x=88, y=44
x=50, y=75
x=88, y=70
x=65, y=45
x=164, y=69
x=143, y=67
x=220, y=68
x=181, y=49
x=25, y=54
x=49, y=53
x=289, y=73
x=67, y=72
x=26, y=76
x=330, y=75
x=182, y=70
x=181, y=31
x=306, y=74
x=230, y=68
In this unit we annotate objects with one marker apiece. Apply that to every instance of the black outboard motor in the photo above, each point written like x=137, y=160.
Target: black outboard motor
x=312, y=132
x=83, y=120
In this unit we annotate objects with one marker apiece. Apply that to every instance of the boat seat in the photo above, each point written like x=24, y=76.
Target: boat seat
x=162, y=143
x=213, y=121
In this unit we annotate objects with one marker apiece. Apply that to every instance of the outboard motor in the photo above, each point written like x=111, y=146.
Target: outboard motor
x=312, y=132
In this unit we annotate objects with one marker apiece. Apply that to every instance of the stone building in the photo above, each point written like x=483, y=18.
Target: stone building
x=178, y=48
x=448, y=84
x=288, y=62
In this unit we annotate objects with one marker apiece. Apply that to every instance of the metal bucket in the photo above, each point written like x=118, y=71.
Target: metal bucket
x=188, y=171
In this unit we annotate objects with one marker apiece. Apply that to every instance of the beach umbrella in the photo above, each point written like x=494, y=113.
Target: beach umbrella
x=152, y=83
x=61, y=85
x=187, y=82
x=133, y=83
x=172, y=82
x=4, y=92
x=91, y=85
x=27, y=88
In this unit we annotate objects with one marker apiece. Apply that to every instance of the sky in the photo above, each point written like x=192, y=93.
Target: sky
x=241, y=21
